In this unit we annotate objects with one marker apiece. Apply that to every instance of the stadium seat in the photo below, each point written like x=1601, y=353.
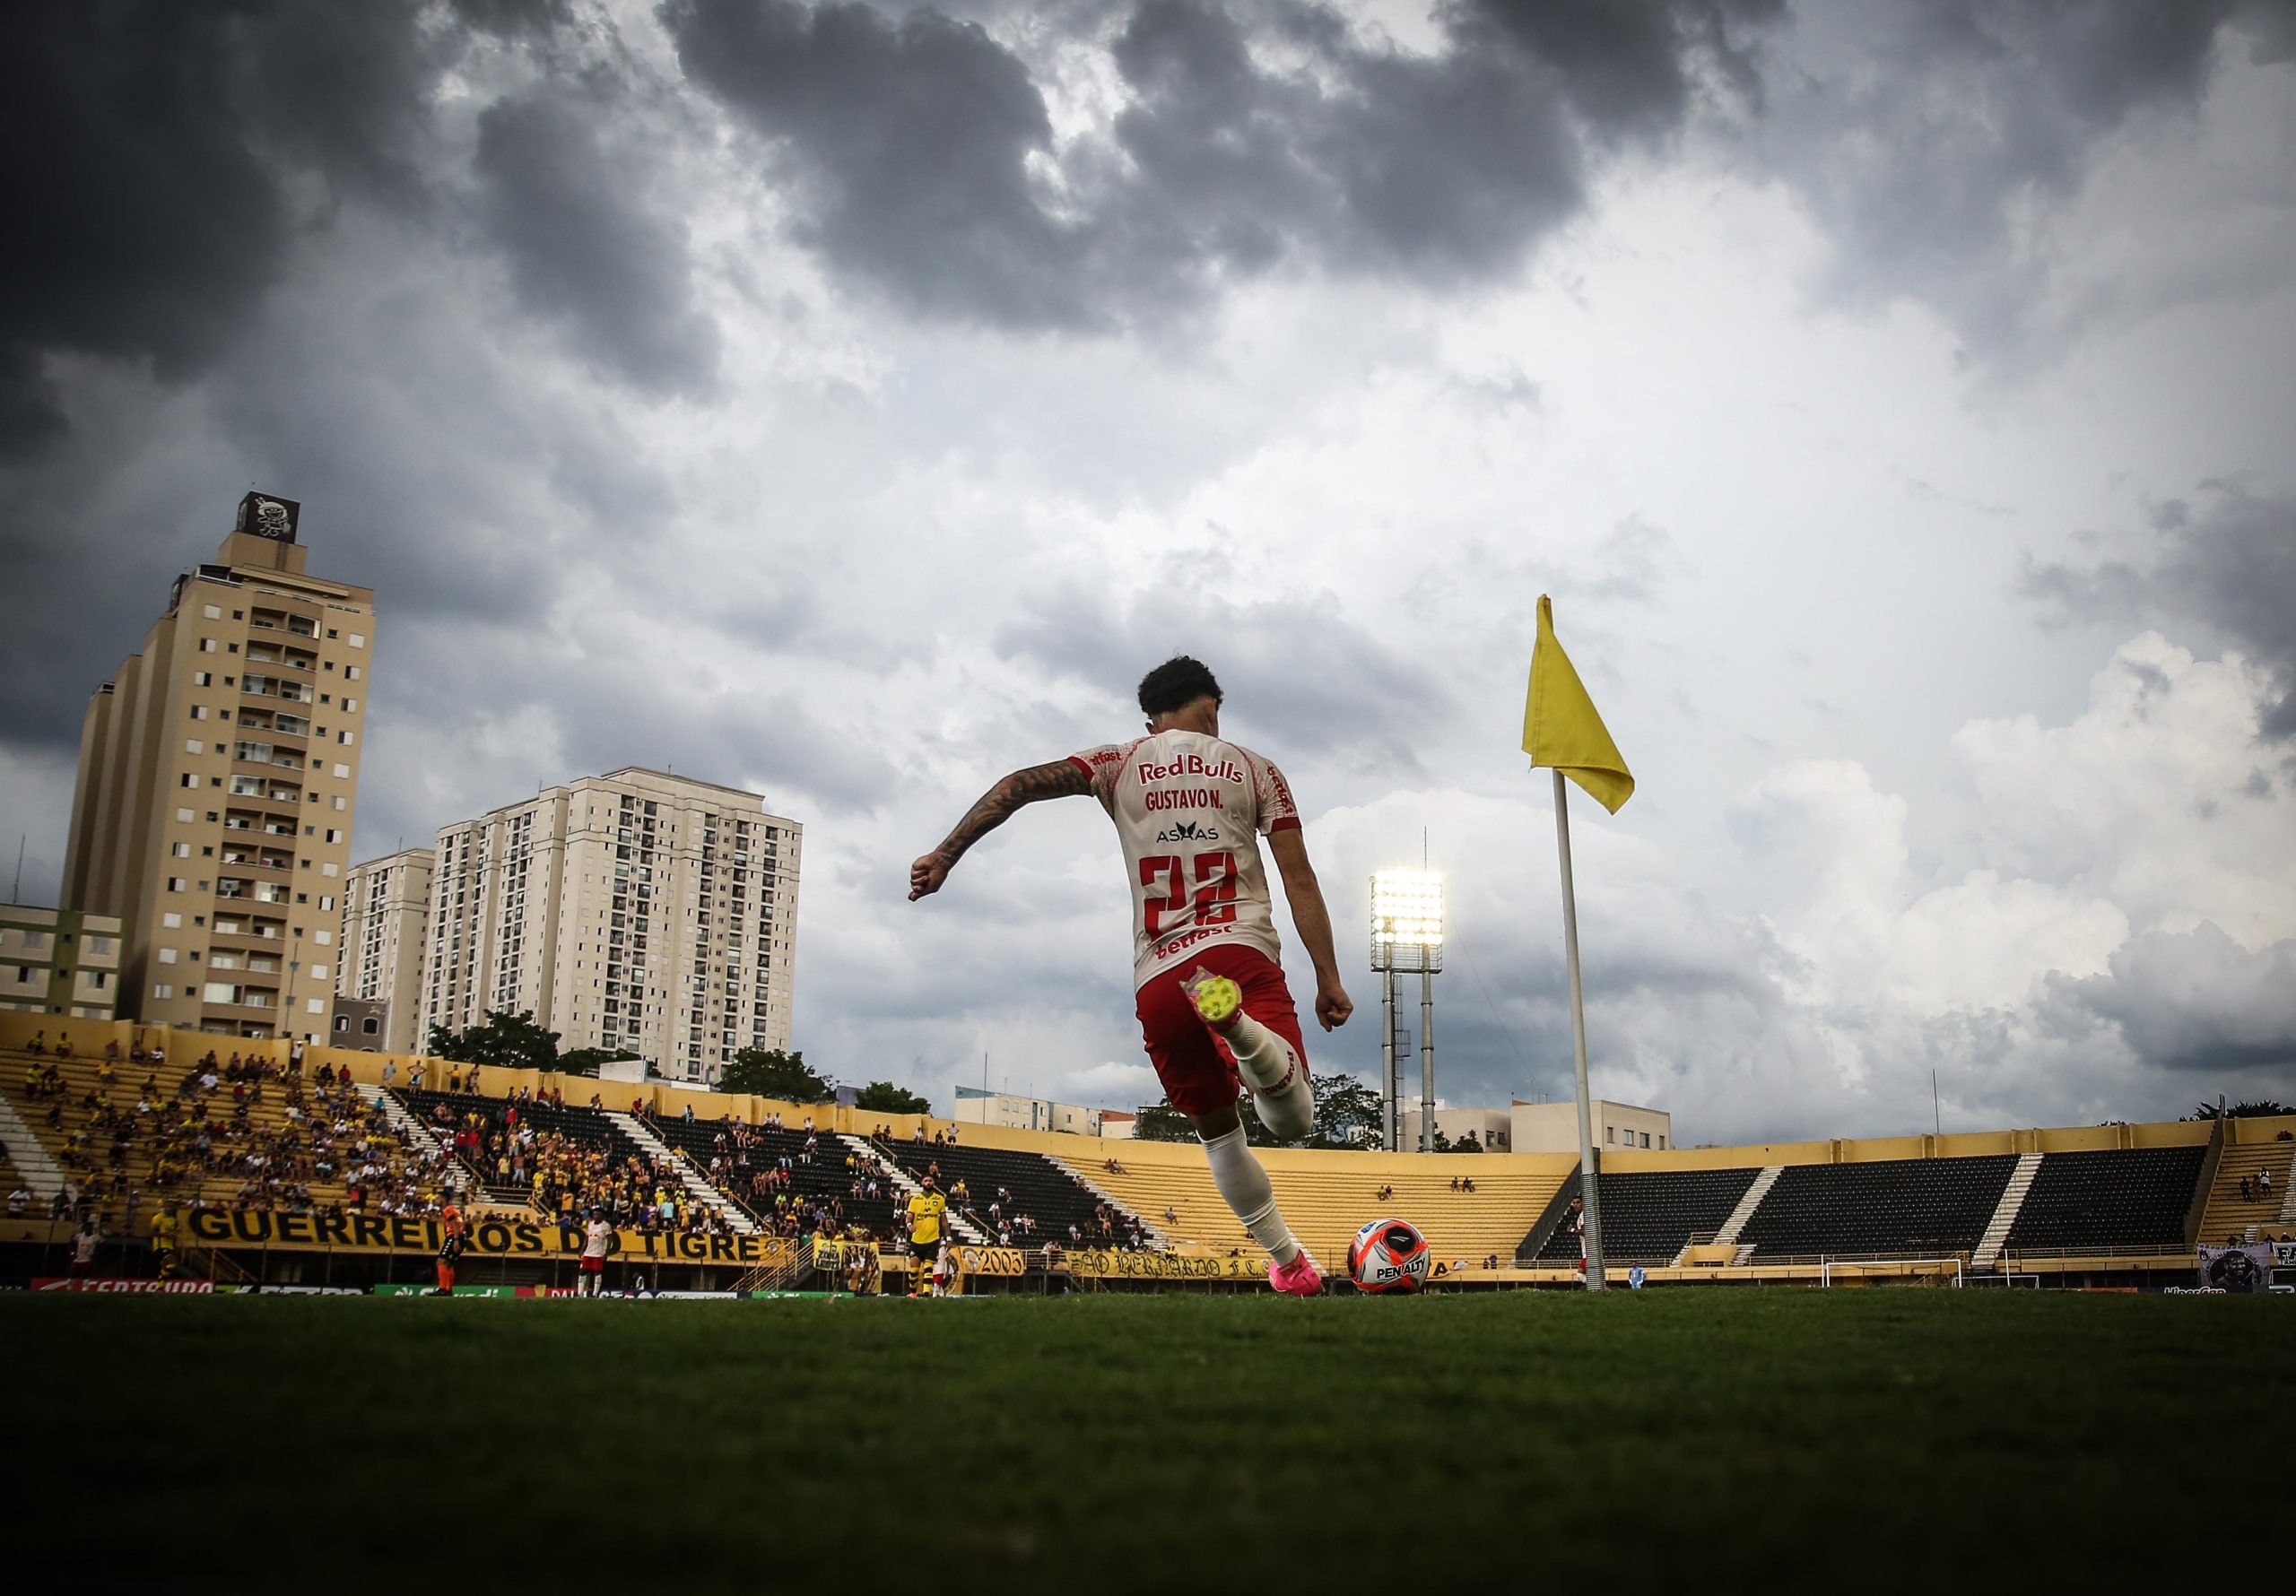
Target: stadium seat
x=1908, y=1207
x=2129, y=1197
x=1649, y=1216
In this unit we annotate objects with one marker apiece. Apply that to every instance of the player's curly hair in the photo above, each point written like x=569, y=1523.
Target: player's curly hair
x=1181, y=680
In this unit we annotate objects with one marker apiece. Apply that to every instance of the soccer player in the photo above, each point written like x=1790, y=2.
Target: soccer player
x=1214, y=1013
x=928, y=1211
x=598, y=1237
x=450, y=1247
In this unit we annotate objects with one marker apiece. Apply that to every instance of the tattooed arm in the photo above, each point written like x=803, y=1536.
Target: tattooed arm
x=1060, y=779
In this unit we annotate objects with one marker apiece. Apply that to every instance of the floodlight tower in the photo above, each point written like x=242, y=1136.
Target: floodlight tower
x=1407, y=935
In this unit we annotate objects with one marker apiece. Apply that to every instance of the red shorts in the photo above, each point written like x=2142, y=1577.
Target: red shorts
x=1198, y=1072
x=592, y=1266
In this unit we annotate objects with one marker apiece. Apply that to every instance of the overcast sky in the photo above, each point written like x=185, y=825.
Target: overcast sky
x=852, y=400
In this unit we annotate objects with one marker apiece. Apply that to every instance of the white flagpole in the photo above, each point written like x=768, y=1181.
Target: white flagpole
x=1588, y=1169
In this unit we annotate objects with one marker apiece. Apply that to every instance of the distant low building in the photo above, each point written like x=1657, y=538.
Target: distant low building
x=59, y=961
x=1493, y=1129
x=1553, y=1127
x=978, y=1107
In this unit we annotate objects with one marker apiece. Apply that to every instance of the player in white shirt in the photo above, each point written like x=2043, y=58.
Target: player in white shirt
x=597, y=1241
x=1215, y=1013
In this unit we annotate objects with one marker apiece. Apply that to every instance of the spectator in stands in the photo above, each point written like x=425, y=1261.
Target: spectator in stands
x=2264, y=1183
x=85, y=1242
x=415, y=1076
x=20, y=1202
x=39, y=1044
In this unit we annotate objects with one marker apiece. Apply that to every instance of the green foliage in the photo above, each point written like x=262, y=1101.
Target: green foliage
x=883, y=1097
x=770, y=1072
x=1347, y=1112
x=2266, y=1109
x=1162, y=1122
x=502, y=1041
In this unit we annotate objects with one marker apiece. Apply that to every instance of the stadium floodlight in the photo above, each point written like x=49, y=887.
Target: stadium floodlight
x=1407, y=935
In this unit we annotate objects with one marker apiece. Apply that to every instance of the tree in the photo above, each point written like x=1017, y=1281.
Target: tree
x=2261, y=1110
x=770, y=1072
x=585, y=1061
x=1348, y=1112
x=501, y=1041
x=883, y=1097
x=1162, y=1122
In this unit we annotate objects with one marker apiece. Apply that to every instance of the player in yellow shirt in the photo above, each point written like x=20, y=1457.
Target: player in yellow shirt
x=928, y=1208
x=164, y=1226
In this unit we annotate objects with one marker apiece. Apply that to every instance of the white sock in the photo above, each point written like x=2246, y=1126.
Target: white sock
x=1275, y=1076
x=1243, y=1184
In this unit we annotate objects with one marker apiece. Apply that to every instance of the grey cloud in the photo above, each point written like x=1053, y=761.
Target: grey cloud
x=910, y=141
x=925, y=152
x=2231, y=565
x=584, y=243
x=1930, y=139
x=146, y=228
x=1334, y=687
x=2195, y=1003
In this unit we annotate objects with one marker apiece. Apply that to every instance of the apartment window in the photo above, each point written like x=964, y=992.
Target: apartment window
x=349, y=705
x=206, y=645
x=199, y=712
x=167, y=956
x=331, y=633
x=346, y=738
x=185, y=816
x=1662, y=1140
x=342, y=772
x=333, y=835
x=178, y=884
x=357, y=639
x=1610, y=1132
x=190, y=780
x=213, y=612
x=201, y=678
x=163, y=992
x=183, y=850
x=326, y=938
x=171, y=922
x=1646, y=1139
x=193, y=745
x=351, y=672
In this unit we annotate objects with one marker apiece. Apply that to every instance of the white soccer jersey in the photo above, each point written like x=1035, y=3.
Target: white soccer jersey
x=1191, y=809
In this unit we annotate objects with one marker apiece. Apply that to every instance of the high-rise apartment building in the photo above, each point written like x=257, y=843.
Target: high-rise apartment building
x=386, y=929
x=218, y=770
x=635, y=910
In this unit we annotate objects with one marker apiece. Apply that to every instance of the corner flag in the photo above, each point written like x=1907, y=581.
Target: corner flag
x=1561, y=727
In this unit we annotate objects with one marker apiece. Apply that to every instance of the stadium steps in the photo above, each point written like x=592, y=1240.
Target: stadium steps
x=2227, y=1215
x=1727, y=1236
x=416, y=1134
x=699, y=1190
x=2013, y=1200
x=42, y=1176
x=906, y=1183
x=1158, y=1241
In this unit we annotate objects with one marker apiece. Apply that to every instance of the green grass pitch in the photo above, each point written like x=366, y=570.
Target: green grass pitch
x=1675, y=1439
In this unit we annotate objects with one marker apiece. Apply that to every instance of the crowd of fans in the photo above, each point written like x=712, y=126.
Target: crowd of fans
x=566, y=1179
x=276, y=1142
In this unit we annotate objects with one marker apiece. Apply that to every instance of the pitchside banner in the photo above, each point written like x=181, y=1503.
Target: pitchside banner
x=2236, y=1270
x=491, y=1238
x=1165, y=1266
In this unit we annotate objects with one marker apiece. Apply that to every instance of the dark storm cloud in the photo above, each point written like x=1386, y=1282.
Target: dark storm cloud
x=924, y=150
x=2193, y=1002
x=145, y=228
x=584, y=244
x=2231, y=565
x=1932, y=141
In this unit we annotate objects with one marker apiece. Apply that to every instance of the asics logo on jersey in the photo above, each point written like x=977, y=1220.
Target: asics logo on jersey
x=1190, y=765
x=1190, y=831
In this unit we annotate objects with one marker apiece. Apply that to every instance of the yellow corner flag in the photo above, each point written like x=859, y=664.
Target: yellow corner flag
x=1561, y=727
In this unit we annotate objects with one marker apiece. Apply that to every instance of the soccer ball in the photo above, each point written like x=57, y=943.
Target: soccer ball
x=1389, y=1255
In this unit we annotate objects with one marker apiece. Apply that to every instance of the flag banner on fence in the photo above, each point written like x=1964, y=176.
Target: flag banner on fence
x=99, y=1283
x=2236, y=1270
x=1561, y=726
x=2283, y=1255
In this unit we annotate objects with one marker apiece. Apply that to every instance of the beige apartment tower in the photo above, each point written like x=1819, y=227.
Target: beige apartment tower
x=386, y=929
x=219, y=768
x=636, y=910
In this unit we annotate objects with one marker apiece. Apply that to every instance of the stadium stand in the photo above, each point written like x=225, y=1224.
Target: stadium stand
x=2267, y=1166
x=1327, y=1197
x=1048, y=1202
x=1649, y=1216
x=796, y=1189
x=225, y=1132
x=560, y=1161
x=2125, y=1197
x=1905, y=1205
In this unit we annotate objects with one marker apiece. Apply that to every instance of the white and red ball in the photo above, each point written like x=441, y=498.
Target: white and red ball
x=1389, y=1255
